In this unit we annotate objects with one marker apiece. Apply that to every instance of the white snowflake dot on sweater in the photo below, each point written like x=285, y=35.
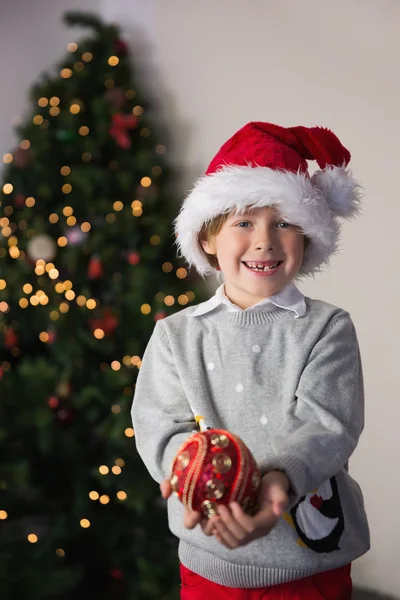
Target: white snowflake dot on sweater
x=239, y=387
x=263, y=420
x=211, y=366
x=256, y=349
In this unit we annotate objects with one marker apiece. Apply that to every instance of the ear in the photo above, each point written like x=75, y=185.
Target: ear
x=208, y=246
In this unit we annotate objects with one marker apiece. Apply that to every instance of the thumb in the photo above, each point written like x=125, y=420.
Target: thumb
x=279, y=499
x=191, y=518
x=166, y=489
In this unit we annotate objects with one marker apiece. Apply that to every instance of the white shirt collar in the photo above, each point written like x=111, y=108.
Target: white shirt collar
x=290, y=298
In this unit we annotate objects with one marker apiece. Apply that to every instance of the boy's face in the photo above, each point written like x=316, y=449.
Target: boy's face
x=258, y=253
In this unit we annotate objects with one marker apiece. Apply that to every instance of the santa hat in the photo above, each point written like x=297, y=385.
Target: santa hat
x=265, y=165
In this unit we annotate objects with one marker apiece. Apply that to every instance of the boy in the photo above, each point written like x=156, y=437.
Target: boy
x=279, y=370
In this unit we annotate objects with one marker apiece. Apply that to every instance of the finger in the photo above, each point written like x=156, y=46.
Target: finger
x=221, y=540
x=245, y=521
x=191, y=518
x=166, y=489
x=229, y=540
x=234, y=526
x=208, y=525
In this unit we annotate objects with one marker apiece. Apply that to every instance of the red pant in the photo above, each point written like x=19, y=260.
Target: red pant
x=330, y=585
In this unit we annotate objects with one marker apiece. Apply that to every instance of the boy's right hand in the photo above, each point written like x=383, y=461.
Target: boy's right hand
x=191, y=518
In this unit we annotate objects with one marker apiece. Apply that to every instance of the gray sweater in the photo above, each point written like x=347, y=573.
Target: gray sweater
x=292, y=389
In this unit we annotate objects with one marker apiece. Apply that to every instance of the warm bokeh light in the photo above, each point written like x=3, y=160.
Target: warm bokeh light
x=85, y=523
x=145, y=309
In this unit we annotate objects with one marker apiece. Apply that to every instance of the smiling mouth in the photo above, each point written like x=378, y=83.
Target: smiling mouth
x=263, y=266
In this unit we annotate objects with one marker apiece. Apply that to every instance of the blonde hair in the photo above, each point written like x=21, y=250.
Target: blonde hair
x=208, y=232
x=212, y=228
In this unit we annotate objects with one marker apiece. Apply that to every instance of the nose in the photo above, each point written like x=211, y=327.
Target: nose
x=265, y=241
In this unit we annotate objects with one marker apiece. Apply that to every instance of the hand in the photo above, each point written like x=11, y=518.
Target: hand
x=190, y=518
x=233, y=527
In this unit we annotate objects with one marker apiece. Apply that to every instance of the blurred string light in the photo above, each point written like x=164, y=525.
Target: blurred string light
x=85, y=523
x=8, y=158
x=32, y=538
x=72, y=47
x=65, y=73
x=113, y=61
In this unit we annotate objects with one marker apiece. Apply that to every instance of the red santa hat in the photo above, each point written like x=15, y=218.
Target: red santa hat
x=266, y=165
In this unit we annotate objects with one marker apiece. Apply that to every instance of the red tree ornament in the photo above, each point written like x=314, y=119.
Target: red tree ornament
x=119, y=130
x=108, y=322
x=133, y=258
x=95, y=268
x=53, y=402
x=215, y=467
x=160, y=315
x=19, y=200
x=121, y=48
x=10, y=338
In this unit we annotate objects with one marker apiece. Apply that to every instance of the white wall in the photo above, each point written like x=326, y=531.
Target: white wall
x=216, y=64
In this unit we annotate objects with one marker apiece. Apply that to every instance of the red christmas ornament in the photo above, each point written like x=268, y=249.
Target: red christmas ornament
x=215, y=467
x=108, y=322
x=160, y=315
x=119, y=130
x=95, y=268
x=19, y=200
x=133, y=258
x=52, y=336
x=116, y=573
x=10, y=337
x=53, y=402
x=121, y=48
x=66, y=416
x=22, y=158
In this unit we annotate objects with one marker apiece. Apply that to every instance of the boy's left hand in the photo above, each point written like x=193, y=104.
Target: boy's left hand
x=233, y=527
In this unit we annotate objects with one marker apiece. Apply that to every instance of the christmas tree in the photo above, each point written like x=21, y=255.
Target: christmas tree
x=87, y=265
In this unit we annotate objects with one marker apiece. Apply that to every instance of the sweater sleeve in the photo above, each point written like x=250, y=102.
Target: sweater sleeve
x=161, y=415
x=322, y=425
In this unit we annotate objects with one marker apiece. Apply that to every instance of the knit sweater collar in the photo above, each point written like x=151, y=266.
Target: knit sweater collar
x=247, y=318
x=289, y=299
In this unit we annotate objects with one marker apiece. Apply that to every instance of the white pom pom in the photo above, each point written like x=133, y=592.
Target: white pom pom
x=341, y=191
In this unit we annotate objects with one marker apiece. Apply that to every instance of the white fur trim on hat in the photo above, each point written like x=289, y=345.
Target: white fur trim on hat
x=299, y=200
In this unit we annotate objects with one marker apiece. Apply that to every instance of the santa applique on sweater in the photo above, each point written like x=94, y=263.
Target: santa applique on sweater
x=318, y=518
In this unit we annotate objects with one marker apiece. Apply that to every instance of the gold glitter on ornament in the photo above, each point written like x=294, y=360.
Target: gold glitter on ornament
x=174, y=483
x=215, y=488
x=222, y=463
x=182, y=461
x=210, y=509
x=219, y=440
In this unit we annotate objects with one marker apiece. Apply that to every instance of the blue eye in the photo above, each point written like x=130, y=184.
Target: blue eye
x=283, y=225
x=243, y=224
